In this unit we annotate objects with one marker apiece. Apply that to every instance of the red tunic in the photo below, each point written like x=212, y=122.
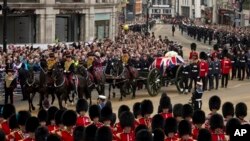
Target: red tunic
x=15, y=136
x=145, y=121
x=66, y=136
x=167, y=115
x=203, y=65
x=225, y=66
x=193, y=55
x=117, y=128
x=52, y=128
x=195, y=132
x=187, y=140
x=83, y=121
x=5, y=127
x=29, y=139
x=98, y=124
x=219, y=135
x=174, y=138
x=125, y=136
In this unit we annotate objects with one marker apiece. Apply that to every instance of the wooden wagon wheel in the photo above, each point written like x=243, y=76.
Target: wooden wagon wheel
x=178, y=78
x=154, y=82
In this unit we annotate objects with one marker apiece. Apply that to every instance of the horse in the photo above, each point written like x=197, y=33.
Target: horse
x=32, y=85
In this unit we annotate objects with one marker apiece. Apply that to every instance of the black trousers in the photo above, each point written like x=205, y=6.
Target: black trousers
x=224, y=80
x=8, y=93
x=184, y=83
x=210, y=81
x=22, y=84
x=234, y=71
x=192, y=80
x=204, y=82
x=216, y=78
x=241, y=72
x=197, y=105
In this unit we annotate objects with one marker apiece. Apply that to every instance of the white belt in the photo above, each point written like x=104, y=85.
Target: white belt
x=138, y=69
x=232, y=61
x=194, y=71
x=198, y=99
x=210, y=68
x=216, y=68
x=242, y=61
x=185, y=72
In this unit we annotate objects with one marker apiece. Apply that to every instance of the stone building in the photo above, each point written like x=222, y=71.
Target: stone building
x=45, y=21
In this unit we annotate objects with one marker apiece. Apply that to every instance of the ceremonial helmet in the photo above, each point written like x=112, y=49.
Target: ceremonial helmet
x=184, y=128
x=170, y=125
x=82, y=105
x=214, y=103
x=241, y=110
x=193, y=46
x=94, y=112
x=69, y=118
x=127, y=119
x=157, y=122
x=216, y=122
x=146, y=107
x=227, y=109
x=104, y=134
x=199, y=117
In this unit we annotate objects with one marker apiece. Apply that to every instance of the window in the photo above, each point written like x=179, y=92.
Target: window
x=102, y=29
x=164, y=2
x=153, y=2
x=193, y=2
x=159, y=2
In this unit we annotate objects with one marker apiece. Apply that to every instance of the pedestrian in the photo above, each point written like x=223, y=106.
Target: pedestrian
x=197, y=97
x=225, y=69
x=173, y=29
x=10, y=85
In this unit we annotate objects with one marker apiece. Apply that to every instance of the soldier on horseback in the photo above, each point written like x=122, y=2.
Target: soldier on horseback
x=69, y=68
x=51, y=62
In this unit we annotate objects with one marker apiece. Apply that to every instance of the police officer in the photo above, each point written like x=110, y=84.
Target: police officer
x=235, y=64
x=185, y=72
x=210, y=74
x=194, y=73
x=248, y=63
x=196, y=96
x=242, y=65
x=217, y=67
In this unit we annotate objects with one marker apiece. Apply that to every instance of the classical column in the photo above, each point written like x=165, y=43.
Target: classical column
x=40, y=26
x=215, y=9
x=90, y=24
x=82, y=27
x=50, y=28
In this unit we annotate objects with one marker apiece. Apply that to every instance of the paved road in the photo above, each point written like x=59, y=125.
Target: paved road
x=237, y=91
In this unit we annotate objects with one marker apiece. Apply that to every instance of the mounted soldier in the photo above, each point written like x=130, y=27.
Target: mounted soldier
x=69, y=68
x=51, y=62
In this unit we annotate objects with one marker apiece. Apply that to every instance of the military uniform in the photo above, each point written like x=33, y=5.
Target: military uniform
x=9, y=86
x=51, y=61
x=248, y=63
x=185, y=72
x=217, y=68
x=210, y=75
x=194, y=74
x=242, y=66
x=225, y=70
x=196, y=97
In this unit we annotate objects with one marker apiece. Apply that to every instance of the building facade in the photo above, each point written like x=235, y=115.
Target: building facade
x=45, y=21
x=161, y=9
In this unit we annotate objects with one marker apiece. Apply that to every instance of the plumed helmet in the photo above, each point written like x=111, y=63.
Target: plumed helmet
x=204, y=135
x=82, y=105
x=31, y=124
x=157, y=121
x=184, y=128
x=227, y=109
x=146, y=107
x=22, y=117
x=137, y=109
x=241, y=110
x=214, y=103
x=106, y=113
x=199, y=117
x=203, y=55
x=177, y=110
x=58, y=117
x=69, y=118
x=170, y=126
x=51, y=113
x=127, y=119
x=231, y=125
x=216, y=121
x=216, y=47
x=42, y=115
x=90, y=132
x=140, y=127
x=193, y=46
x=123, y=108
x=94, y=112
x=8, y=110
x=187, y=111
x=104, y=134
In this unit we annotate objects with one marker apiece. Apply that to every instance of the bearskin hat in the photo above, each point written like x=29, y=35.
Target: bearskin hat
x=13, y=124
x=31, y=124
x=8, y=110
x=51, y=113
x=193, y=46
x=199, y=117
x=184, y=128
x=137, y=109
x=216, y=47
x=113, y=121
x=158, y=135
x=79, y=133
x=224, y=53
x=140, y=127
x=42, y=115
x=90, y=132
x=144, y=135
x=157, y=121
x=2, y=135
x=231, y=125
x=204, y=135
x=53, y=137
x=106, y=113
x=165, y=102
x=177, y=110
x=58, y=117
x=94, y=112
x=104, y=134
x=22, y=117
x=41, y=133
x=187, y=111
x=82, y=105
x=123, y=108
x=69, y=118
x=227, y=109
x=203, y=55
x=127, y=119
x=214, y=103
x=216, y=121
x=241, y=110
x=170, y=126
x=146, y=107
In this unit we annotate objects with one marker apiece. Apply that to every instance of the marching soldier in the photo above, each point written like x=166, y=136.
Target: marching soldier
x=217, y=71
x=203, y=66
x=194, y=74
x=198, y=119
x=248, y=63
x=216, y=127
x=196, y=96
x=242, y=65
x=193, y=54
x=225, y=69
x=185, y=72
x=241, y=112
x=81, y=109
x=210, y=74
x=95, y=114
x=215, y=52
x=146, y=111
x=235, y=65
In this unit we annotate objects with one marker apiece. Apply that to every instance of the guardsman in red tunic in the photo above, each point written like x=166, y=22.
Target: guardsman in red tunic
x=7, y=111
x=16, y=134
x=107, y=116
x=127, y=120
x=164, y=106
x=177, y=112
x=81, y=108
x=225, y=70
x=203, y=65
x=215, y=52
x=94, y=114
x=241, y=112
x=185, y=131
x=117, y=127
x=69, y=118
x=51, y=118
x=170, y=129
x=58, y=122
x=42, y=117
x=193, y=54
x=217, y=128
x=146, y=111
x=199, y=118
x=30, y=127
x=227, y=111
x=137, y=111
x=214, y=106
x=204, y=135
x=187, y=112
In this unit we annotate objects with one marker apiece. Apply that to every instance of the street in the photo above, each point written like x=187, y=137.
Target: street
x=237, y=91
